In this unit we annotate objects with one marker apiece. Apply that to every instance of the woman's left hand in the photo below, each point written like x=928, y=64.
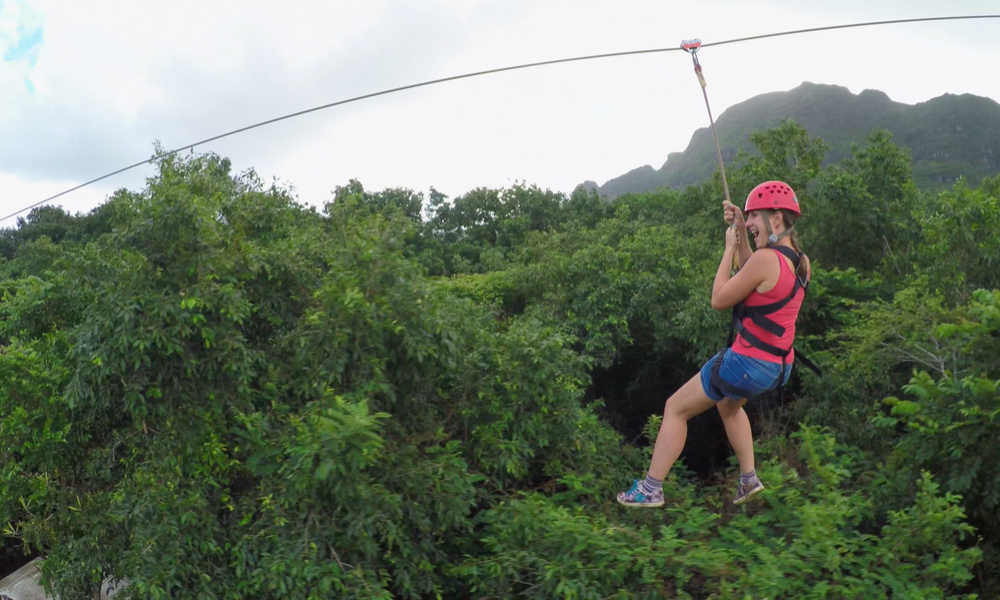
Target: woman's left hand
x=732, y=238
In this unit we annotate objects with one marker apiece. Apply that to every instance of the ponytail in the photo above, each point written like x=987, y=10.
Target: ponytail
x=790, y=218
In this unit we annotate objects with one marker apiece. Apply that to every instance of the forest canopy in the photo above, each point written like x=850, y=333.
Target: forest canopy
x=215, y=391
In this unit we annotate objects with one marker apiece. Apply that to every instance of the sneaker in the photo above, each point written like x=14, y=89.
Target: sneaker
x=634, y=497
x=747, y=489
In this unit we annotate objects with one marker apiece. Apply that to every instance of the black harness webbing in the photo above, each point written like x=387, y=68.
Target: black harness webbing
x=759, y=316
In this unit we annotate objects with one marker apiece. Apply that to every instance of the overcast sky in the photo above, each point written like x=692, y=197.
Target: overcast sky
x=87, y=87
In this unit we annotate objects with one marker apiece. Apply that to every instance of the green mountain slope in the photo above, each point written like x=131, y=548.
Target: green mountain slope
x=948, y=137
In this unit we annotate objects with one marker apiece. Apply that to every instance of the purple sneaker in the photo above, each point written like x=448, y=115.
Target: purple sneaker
x=635, y=497
x=747, y=489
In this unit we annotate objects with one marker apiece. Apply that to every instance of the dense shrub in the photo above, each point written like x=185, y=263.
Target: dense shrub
x=216, y=392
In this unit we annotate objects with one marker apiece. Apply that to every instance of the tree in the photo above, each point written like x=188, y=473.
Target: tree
x=787, y=153
x=862, y=210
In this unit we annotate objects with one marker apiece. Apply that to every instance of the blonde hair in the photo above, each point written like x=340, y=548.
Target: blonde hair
x=789, y=219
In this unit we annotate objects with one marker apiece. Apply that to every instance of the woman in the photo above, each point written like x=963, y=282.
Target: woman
x=765, y=295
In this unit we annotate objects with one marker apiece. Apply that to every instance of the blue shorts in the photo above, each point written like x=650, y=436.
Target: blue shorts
x=752, y=374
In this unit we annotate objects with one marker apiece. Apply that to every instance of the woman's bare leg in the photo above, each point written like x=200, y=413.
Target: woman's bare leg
x=688, y=401
x=738, y=430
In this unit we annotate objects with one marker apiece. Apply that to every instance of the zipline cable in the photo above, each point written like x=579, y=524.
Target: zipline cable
x=692, y=47
x=830, y=27
x=476, y=74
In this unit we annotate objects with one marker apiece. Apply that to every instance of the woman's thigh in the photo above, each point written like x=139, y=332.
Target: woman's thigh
x=730, y=406
x=689, y=400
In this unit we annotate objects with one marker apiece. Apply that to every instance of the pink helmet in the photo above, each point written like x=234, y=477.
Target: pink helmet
x=772, y=195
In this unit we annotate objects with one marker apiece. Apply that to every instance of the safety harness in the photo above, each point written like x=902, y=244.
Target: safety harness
x=759, y=316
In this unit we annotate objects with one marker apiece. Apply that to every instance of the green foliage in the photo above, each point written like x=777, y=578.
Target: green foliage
x=55, y=224
x=951, y=428
x=961, y=251
x=485, y=219
x=387, y=202
x=862, y=209
x=951, y=422
x=215, y=399
x=808, y=543
x=618, y=280
x=218, y=393
x=787, y=153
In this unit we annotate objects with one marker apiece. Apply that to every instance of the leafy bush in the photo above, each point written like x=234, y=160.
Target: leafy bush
x=810, y=541
x=218, y=393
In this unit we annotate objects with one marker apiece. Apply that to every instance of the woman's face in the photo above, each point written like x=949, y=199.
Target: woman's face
x=757, y=228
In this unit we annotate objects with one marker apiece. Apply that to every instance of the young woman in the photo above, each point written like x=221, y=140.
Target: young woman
x=765, y=295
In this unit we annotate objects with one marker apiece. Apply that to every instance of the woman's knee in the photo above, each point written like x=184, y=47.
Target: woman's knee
x=674, y=409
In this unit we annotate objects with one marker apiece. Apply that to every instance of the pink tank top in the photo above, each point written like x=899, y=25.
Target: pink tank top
x=784, y=317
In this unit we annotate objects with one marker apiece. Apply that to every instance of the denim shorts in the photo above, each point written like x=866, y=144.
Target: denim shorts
x=752, y=374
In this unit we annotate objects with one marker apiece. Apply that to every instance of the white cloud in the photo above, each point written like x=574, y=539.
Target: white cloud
x=113, y=76
x=16, y=193
x=20, y=37
x=16, y=19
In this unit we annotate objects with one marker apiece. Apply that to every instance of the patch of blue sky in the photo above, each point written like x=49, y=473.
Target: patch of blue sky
x=26, y=46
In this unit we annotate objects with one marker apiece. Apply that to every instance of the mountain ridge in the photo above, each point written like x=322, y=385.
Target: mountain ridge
x=949, y=136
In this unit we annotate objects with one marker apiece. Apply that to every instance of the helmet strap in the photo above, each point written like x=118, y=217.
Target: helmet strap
x=772, y=239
